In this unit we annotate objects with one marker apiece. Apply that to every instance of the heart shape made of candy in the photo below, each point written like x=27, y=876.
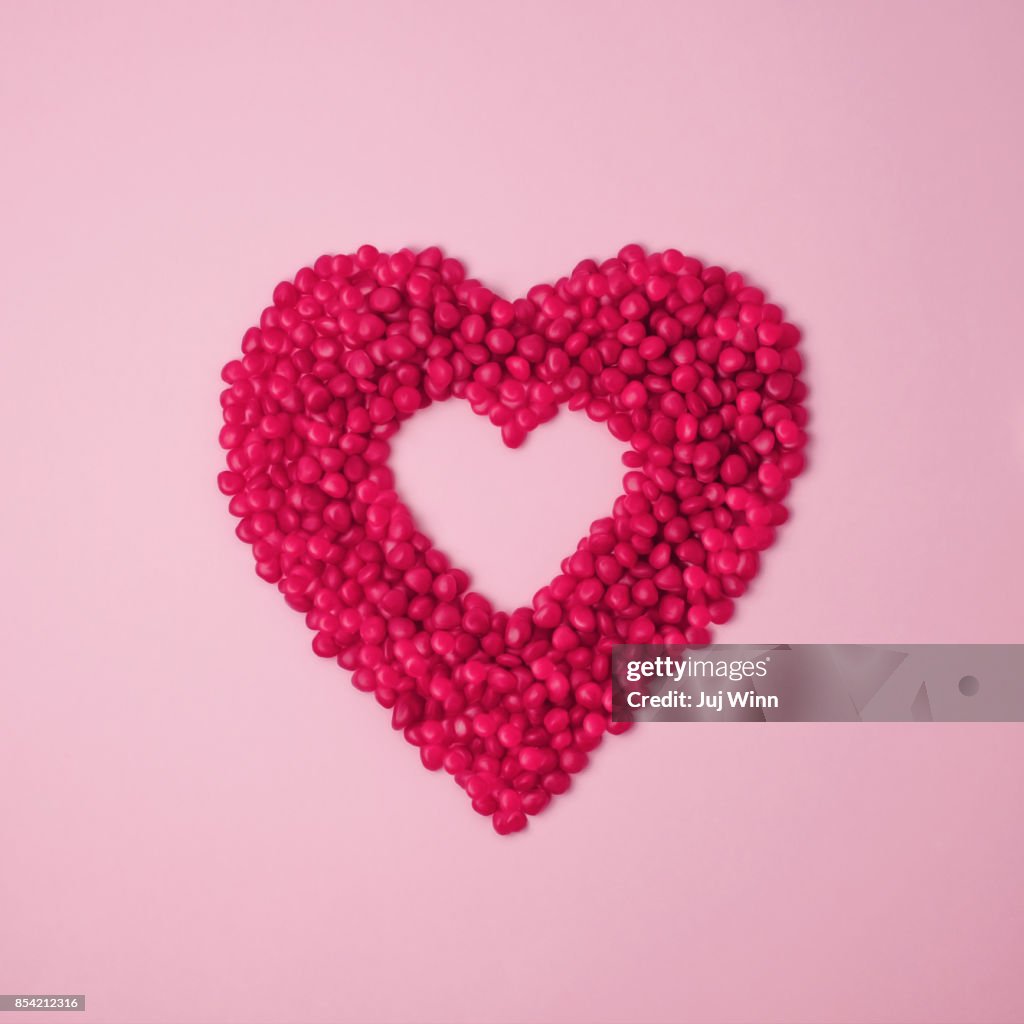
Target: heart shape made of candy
x=689, y=367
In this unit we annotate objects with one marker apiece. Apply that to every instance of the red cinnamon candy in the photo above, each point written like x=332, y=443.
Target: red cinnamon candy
x=688, y=366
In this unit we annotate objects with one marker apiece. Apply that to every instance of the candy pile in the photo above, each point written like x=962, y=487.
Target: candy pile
x=688, y=366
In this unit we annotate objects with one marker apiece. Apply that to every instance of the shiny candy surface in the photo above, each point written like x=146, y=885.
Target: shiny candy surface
x=686, y=364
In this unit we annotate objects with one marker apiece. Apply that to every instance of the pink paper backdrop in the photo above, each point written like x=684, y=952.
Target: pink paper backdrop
x=200, y=821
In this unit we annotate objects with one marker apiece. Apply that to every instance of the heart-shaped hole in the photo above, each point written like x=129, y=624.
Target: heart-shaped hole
x=508, y=517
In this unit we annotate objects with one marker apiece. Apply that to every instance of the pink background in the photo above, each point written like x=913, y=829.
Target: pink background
x=200, y=821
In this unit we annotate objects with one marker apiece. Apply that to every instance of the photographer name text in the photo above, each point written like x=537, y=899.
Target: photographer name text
x=701, y=700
